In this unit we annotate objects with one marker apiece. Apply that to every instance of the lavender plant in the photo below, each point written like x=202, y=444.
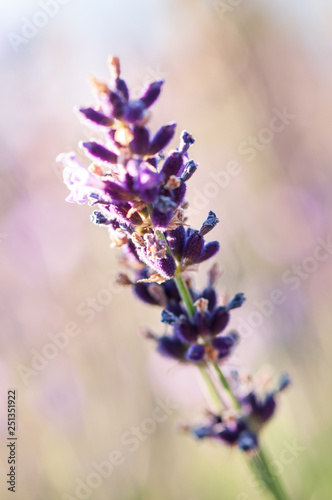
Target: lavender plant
x=140, y=195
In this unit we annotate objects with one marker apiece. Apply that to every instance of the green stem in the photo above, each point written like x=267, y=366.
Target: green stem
x=226, y=386
x=213, y=391
x=261, y=466
x=185, y=294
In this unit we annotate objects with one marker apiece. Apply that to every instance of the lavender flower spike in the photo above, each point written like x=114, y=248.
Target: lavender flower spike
x=141, y=200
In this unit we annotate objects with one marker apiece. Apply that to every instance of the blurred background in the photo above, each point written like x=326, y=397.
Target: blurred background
x=251, y=80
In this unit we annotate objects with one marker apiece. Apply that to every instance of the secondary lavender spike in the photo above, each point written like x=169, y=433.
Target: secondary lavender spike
x=151, y=93
x=162, y=138
x=99, y=153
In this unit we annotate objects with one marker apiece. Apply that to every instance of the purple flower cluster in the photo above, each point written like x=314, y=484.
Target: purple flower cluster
x=140, y=198
x=241, y=429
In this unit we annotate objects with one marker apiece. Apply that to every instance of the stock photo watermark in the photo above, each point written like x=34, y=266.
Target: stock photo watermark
x=87, y=309
x=286, y=456
x=31, y=26
x=293, y=278
x=130, y=441
x=254, y=144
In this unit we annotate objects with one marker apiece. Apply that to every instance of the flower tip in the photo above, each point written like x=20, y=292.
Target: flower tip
x=113, y=62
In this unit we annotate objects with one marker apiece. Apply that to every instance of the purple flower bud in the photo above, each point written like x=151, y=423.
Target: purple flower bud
x=176, y=240
x=202, y=322
x=193, y=248
x=225, y=344
x=247, y=441
x=146, y=183
x=134, y=112
x=284, y=381
x=186, y=141
x=168, y=317
x=122, y=88
x=118, y=105
x=209, y=250
x=178, y=194
x=162, y=138
x=99, y=218
x=186, y=331
x=95, y=117
x=172, y=165
x=139, y=145
x=161, y=219
x=219, y=321
x=195, y=353
x=151, y=93
x=209, y=294
x=203, y=432
x=189, y=170
x=211, y=222
x=171, y=347
x=165, y=267
x=236, y=301
x=142, y=292
x=99, y=153
x=267, y=408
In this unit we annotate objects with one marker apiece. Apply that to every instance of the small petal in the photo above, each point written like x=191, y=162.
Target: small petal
x=186, y=141
x=171, y=347
x=162, y=138
x=247, y=441
x=186, y=331
x=99, y=153
x=118, y=104
x=284, y=381
x=134, y=112
x=176, y=241
x=142, y=292
x=168, y=317
x=193, y=248
x=172, y=165
x=95, y=118
x=236, y=301
x=209, y=250
x=195, y=353
x=151, y=93
x=209, y=293
x=225, y=344
x=189, y=170
x=122, y=88
x=165, y=267
x=139, y=145
x=219, y=320
x=211, y=222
